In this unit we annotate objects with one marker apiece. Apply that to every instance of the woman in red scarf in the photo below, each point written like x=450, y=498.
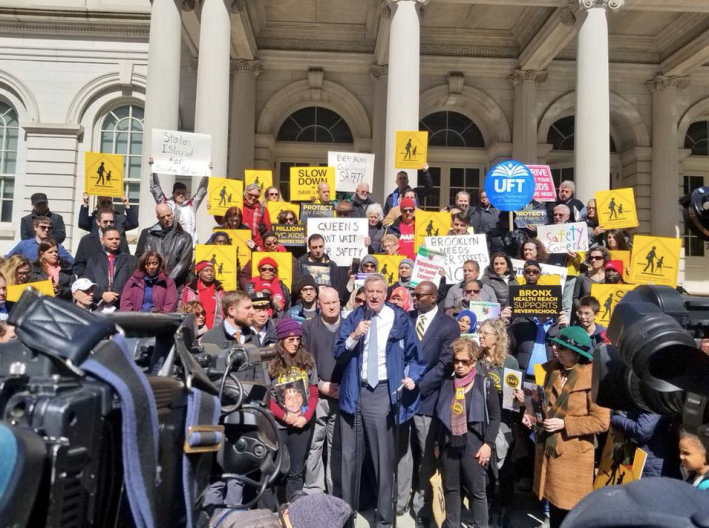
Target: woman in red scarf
x=268, y=279
x=208, y=291
x=468, y=419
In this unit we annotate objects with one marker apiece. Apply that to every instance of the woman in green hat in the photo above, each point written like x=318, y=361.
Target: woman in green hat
x=564, y=460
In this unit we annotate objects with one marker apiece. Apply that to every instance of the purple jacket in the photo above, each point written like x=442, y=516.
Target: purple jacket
x=164, y=294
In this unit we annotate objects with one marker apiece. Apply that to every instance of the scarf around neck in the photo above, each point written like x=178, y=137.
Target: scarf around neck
x=459, y=415
x=560, y=407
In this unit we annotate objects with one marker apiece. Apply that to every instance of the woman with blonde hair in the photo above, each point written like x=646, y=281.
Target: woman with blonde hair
x=494, y=359
x=16, y=270
x=272, y=194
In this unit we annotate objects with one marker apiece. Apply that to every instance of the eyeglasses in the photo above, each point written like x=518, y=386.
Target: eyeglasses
x=273, y=194
x=254, y=196
x=472, y=291
x=407, y=210
x=532, y=271
x=419, y=295
x=464, y=362
x=368, y=265
x=362, y=192
x=268, y=268
x=358, y=300
x=595, y=257
x=559, y=215
x=44, y=227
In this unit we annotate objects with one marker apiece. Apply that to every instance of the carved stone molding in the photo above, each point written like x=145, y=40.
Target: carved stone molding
x=520, y=76
x=568, y=16
x=588, y=4
x=315, y=79
x=377, y=71
x=662, y=81
x=456, y=80
x=237, y=6
x=248, y=66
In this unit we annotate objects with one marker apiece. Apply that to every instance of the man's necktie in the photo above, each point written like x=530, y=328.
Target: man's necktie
x=373, y=355
x=111, y=269
x=420, y=326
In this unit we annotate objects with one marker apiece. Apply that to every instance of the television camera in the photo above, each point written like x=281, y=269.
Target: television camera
x=123, y=420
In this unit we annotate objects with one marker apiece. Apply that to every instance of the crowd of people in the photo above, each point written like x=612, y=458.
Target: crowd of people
x=377, y=387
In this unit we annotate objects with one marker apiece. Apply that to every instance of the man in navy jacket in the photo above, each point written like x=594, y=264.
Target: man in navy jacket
x=435, y=332
x=377, y=350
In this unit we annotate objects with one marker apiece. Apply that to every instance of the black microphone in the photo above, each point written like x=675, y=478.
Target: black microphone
x=367, y=314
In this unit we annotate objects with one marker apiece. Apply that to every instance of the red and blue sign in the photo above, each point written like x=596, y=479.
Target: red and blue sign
x=509, y=185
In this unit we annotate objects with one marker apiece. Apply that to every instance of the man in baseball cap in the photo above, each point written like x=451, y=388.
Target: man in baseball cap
x=40, y=208
x=82, y=292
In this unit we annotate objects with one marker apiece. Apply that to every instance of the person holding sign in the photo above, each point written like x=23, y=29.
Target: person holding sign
x=564, y=461
x=268, y=280
x=255, y=214
x=404, y=228
x=468, y=420
x=402, y=185
x=125, y=221
x=185, y=209
x=566, y=197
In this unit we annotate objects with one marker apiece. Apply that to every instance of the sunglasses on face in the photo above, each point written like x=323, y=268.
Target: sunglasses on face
x=595, y=257
x=253, y=196
x=407, y=210
x=464, y=362
x=273, y=194
x=532, y=272
x=44, y=227
x=472, y=291
x=419, y=295
x=368, y=266
x=268, y=268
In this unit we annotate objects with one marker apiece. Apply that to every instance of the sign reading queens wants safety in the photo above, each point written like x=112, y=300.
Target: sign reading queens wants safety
x=344, y=237
x=535, y=301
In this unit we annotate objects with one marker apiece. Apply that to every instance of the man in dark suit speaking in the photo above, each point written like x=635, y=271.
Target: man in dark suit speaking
x=435, y=332
x=377, y=351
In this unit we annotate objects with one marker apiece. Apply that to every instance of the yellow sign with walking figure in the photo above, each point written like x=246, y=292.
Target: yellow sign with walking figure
x=262, y=178
x=608, y=296
x=389, y=266
x=225, y=193
x=103, y=174
x=275, y=208
x=616, y=209
x=223, y=258
x=411, y=149
x=237, y=239
x=431, y=224
x=655, y=260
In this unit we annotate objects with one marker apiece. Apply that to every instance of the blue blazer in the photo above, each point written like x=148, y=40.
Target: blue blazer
x=438, y=354
x=403, y=358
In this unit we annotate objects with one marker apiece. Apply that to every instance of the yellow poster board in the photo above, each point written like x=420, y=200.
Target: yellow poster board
x=616, y=209
x=411, y=149
x=621, y=462
x=225, y=193
x=284, y=259
x=262, y=178
x=103, y=174
x=238, y=238
x=429, y=224
x=655, y=260
x=608, y=296
x=275, y=208
x=224, y=260
x=304, y=182
x=389, y=266
x=45, y=287
x=625, y=257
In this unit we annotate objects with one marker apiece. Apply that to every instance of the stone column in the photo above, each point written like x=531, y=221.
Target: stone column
x=665, y=181
x=403, y=82
x=592, y=152
x=243, y=117
x=379, y=75
x=162, y=95
x=524, y=139
x=212, y=100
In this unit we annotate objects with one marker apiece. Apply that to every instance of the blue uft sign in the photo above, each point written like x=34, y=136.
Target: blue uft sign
x=509, y=185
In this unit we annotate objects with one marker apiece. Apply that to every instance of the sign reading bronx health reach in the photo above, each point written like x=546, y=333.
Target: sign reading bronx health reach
x=181, y=153
x=509, y=185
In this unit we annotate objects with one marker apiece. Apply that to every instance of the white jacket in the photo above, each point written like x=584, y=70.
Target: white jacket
x=185, y=213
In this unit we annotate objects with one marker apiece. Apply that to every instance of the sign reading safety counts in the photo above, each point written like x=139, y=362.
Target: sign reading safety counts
x=509, y=185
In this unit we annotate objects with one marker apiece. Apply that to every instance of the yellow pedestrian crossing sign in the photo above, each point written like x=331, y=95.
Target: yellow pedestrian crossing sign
x=237, y=239
x=225, y=193
x=262, y=178
x=389, y=267
x=655, y=260
x=411, y=149
x=223, y=258
x=431, y=224
x=103, y=174
x=616, y=209
x=608, y=296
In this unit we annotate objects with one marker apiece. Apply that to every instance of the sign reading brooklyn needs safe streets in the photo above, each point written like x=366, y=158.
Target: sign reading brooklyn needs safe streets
x=181, y=153
x=344, y=237
x=458, y=249
x=304, y=182
x=535, y=301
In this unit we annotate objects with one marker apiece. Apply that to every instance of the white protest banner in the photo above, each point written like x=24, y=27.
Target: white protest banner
x=181, y=153
x=427, y=266
x=457, y=249
x=544, y=189
x=351, y=169
x=563, y=238
x=344, y=237
x=547, y=271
